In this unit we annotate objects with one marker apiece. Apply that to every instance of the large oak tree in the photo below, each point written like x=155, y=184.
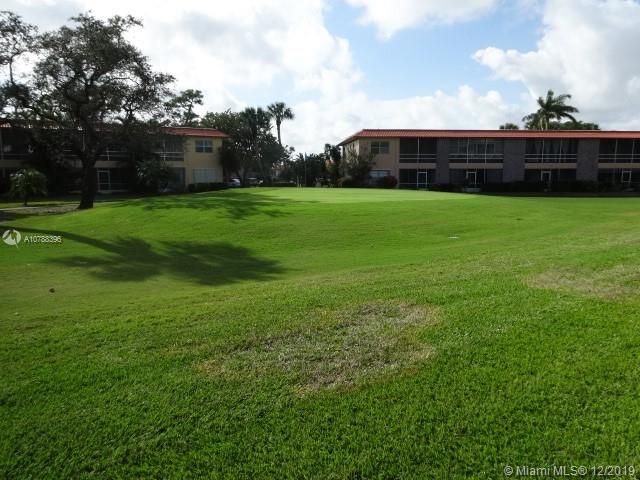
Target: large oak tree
x=91, y=85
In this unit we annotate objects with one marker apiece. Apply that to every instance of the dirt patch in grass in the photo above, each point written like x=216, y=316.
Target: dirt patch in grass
x=14, y=213
x=339, y=349
x=616, y=282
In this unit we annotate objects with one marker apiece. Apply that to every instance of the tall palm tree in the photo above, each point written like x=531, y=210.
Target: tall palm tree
x=550, y=108
x=279, y=111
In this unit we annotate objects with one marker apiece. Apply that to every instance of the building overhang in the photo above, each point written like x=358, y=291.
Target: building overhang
x=519, y=134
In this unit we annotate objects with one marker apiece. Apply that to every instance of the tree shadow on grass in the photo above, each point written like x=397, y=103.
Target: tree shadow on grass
x=132, y=259
x=234, y=205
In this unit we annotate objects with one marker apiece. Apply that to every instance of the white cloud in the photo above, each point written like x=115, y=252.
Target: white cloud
x=588, y=49
x=335, y=121
x=227, y=49
x=390, y=17
x=223, y=47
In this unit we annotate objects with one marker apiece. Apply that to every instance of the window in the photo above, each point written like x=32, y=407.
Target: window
x=204, y=146
x=379, y=147
x=112, y=179
x=204, y=175
x=408, y=176
x=375, y=174
x=616, y=176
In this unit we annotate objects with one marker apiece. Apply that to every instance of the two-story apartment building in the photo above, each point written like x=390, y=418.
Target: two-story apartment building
x=473, y=158
x=192, y=153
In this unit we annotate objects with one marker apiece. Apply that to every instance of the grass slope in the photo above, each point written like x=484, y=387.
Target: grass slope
x=322, y=333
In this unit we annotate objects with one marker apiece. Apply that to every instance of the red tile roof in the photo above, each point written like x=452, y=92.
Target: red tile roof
x=186, y=131
x=392, y=133
x=195, y=132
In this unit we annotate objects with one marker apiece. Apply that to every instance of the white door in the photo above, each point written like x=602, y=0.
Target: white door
x=545, y=177
x=104, y=180
x=423, y=179
x=472, y=177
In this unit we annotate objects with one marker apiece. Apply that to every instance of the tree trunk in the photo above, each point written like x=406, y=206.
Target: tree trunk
x=278, y=128
x=88, y=185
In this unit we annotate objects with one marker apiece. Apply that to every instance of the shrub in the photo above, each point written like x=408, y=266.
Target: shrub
x=26, y=183
x=153, y=174
x=346, y=182
x=284, y=184
x=388, y=181
x=445, y=187
x=357, y=165
x=206, y=187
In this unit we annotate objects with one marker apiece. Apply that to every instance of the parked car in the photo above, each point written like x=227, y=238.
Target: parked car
x=234, y=182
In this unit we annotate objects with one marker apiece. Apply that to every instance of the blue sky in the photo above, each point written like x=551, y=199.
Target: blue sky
x=344, y=65
x=439, y=57
x=425, y=59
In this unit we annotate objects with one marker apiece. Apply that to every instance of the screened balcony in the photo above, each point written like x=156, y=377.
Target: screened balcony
x=476, y=150
x=418, y=150
x=620, y=151
x=551, y=150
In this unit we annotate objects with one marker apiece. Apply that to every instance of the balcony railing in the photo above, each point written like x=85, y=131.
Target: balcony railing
x=619, y=158
x=417, y=158
x=113, y=156
x=476, y=158
x=122, y=156
x=550, y=158
x=14, y=155
x=171, y=156
x=109, y=155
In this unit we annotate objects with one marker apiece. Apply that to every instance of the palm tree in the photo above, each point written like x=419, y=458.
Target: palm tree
x=551, y=108
x=279, y=111
x=256, y=121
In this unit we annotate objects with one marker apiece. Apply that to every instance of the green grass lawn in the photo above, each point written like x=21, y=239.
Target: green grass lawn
x=321, y=333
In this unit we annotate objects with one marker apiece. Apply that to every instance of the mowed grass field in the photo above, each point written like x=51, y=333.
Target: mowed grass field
x=321, y=333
